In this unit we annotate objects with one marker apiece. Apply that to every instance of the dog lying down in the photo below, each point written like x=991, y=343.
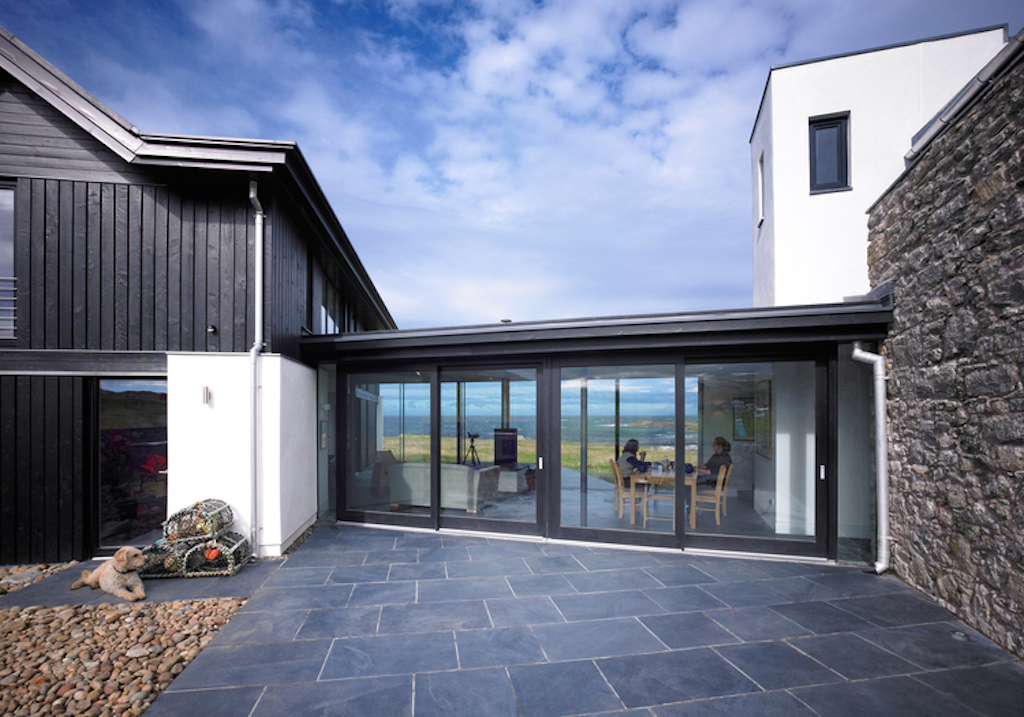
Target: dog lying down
x=117, y=575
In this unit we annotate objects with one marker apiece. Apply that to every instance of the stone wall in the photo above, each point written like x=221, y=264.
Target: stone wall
x=950, y=234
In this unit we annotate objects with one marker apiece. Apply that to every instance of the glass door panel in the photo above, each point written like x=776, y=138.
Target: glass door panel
x=389, y=442
x=760, y=421
x=327, y=444
x=489, y=443
x=603, y=408
x=133, y=461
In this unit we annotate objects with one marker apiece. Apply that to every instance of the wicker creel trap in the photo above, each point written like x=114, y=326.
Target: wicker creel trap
x=197, y=543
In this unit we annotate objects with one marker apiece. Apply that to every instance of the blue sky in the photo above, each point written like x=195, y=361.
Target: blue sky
x=493, y=159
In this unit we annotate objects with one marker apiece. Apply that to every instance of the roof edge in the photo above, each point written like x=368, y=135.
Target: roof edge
x=896, y=45
x=893, y=46
x=28, y=67
x=970, y=94
x=879, y=299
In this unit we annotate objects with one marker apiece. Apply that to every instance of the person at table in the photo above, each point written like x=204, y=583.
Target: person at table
x=632, y=459
x=721, y=457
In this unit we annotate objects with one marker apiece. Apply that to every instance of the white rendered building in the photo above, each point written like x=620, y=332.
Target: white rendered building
x=829, y=138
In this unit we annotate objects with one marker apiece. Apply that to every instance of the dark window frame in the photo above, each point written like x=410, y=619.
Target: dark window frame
x=9, y=303
x=840, y=122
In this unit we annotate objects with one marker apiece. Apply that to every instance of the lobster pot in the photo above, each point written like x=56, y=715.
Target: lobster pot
x=224, y=555
x=163, y=560
x=203, y=520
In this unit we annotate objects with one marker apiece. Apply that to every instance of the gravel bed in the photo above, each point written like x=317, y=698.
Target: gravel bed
x=106, y=659
x=101, y=659
x=15, y=577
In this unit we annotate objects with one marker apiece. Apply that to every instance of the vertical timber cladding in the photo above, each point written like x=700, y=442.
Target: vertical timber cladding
x=44, y=513
x=105, y=266
x=132, y=267
x=287, y=271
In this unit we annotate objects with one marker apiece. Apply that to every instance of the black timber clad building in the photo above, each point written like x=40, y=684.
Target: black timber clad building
x=127, y=246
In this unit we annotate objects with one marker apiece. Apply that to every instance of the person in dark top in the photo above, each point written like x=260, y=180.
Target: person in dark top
x=630, y=460
x=721, y=457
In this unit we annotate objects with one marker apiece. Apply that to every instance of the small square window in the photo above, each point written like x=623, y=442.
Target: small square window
x=830, y=165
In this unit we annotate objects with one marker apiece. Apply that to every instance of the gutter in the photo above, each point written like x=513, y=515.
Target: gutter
x=254, y=352
x=881, y=454
x=964, y=97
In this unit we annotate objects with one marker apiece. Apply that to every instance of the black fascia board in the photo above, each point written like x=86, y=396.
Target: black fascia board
x=57, y=362
x=833, y=323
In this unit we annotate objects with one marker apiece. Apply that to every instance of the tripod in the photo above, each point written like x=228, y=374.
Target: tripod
x=472, y=456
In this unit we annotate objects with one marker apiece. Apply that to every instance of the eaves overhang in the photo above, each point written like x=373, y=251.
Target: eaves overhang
x=864, y=320
x=151, y=149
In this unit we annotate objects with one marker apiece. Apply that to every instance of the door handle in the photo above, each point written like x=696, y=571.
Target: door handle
x=821, y=472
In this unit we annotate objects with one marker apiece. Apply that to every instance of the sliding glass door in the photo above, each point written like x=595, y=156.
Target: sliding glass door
x=720, y=455
x=605, y=410
x=755, y=436
x=489, y=445
x=388, y=430
x=444, y=447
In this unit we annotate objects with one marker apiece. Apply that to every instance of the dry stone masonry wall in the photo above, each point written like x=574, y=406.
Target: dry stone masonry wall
x=950, y=235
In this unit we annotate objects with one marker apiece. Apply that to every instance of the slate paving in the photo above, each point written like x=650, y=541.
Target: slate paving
x=369, y=622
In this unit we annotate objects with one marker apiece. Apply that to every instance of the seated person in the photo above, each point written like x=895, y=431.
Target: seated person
x=721, y=457
x=630, y=462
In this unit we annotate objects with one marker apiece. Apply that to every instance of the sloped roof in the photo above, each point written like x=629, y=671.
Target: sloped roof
x=185, y=151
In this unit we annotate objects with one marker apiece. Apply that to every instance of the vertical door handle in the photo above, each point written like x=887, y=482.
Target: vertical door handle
x=821, y=472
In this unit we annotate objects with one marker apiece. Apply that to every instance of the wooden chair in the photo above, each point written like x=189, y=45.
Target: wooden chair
x=622, y=493
x=649, y=495
x=715, y=498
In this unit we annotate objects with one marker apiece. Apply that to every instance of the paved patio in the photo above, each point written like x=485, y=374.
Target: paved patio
x=364, y=621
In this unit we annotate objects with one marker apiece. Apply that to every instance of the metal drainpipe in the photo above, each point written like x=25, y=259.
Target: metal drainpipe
x=881, y=454
x=257, y=347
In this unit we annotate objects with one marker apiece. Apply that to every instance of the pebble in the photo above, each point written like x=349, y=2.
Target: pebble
x=51, y=661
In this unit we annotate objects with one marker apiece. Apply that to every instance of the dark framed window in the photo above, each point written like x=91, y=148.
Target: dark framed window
x=830, y=157
x=8, y=283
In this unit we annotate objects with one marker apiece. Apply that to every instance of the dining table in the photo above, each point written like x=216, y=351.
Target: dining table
x=657, y=475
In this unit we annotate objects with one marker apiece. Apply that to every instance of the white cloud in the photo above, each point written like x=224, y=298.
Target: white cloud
x=495, y=158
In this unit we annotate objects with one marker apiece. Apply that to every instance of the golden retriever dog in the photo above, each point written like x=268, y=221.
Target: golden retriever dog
x=117, y=575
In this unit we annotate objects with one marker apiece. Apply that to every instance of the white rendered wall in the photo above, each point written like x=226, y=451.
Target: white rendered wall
x=813, y=248
x=209, y=445
x=763, y=218
x=288, y=462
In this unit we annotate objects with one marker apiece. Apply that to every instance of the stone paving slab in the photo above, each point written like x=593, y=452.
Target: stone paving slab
x=463, y=625
x=381, y=622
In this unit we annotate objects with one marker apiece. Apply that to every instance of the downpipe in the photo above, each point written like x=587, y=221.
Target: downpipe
x=254, y=352
x=881, y=454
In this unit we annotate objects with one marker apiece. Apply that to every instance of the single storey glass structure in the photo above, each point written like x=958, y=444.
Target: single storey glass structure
x=521, y=428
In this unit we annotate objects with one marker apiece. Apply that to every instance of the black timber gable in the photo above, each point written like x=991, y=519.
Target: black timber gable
x=36, y=140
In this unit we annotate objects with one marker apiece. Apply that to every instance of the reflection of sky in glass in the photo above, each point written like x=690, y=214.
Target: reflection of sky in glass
x=637, y=397
x=6, y=232
x=483, y=398
x=120, y=385
x=416, y=397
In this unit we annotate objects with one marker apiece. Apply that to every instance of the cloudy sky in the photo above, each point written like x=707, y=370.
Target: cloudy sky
x=492, y=159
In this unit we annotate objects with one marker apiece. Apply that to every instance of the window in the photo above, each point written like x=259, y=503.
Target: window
x=8, y=287
x=133, y=460
x=760, y=190
x=830, y=166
